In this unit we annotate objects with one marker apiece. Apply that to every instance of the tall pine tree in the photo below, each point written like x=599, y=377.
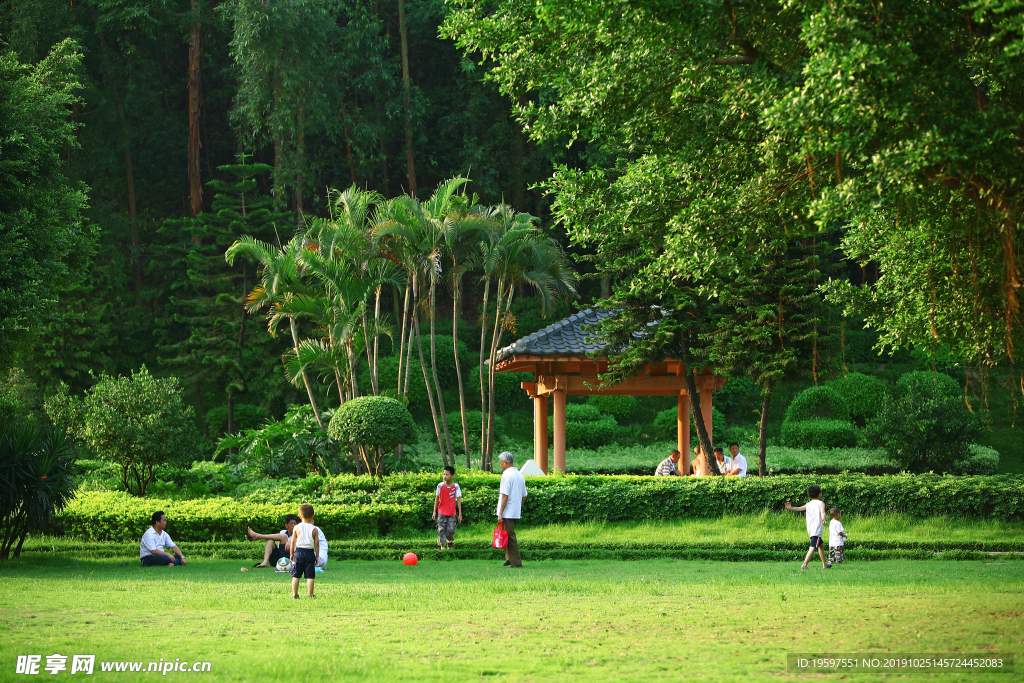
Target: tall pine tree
x=214, y=342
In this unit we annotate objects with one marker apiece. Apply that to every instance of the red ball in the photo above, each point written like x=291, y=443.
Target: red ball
x=410, y=559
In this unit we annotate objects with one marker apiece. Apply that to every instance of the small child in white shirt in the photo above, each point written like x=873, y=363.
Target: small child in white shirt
x=836, y=537
x=815, y=513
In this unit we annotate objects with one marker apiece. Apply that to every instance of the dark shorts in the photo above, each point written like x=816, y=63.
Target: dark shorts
x=276, y=554
x=815, y=541
x=304, y=564
x=160, y=561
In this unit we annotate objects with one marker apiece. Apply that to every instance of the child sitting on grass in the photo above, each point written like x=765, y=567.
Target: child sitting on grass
x=836, y=537
x=815, y=513
x=305, y=551
x=447, y=496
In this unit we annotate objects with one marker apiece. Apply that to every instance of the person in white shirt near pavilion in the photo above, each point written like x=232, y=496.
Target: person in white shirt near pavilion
x=512, y=493
x=155, y=544
x=738, y=464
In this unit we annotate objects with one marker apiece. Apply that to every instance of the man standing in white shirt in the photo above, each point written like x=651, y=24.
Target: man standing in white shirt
x=738, y=466
x=155, y=544
x=512, y=493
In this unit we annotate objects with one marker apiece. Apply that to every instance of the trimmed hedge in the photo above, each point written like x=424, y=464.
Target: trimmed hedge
x=404, y=501
x=864, y=394
x=818, y=402
x=820, y=433
x=116, y=516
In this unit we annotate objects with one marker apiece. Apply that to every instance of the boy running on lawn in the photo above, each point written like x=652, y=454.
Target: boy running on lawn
x=305, y=551
x=447, y=497
x=836, y=537
x=815, y=512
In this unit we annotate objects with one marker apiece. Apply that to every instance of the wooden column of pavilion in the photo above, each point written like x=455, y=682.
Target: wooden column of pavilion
x=557, y=357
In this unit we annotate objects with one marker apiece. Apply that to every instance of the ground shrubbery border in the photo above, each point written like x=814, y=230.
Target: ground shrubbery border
x=405, y=502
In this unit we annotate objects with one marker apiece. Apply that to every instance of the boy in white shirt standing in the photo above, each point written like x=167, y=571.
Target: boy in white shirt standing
x=305, y=551
x=836, y=537
x=815, y=513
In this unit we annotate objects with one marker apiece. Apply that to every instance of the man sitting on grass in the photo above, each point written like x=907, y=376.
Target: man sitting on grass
x=275, y=549
x=155, y=544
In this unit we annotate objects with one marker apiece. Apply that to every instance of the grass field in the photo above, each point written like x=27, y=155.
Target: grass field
x=474, y=620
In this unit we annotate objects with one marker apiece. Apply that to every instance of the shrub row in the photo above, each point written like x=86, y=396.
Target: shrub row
x=405, y=502
x=115, y=516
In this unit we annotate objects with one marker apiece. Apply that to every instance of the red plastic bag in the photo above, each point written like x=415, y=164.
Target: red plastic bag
x=500, y=536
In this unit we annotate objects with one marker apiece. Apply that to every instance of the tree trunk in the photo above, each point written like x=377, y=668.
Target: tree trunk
x=706, y=451
x=200, y=410
x=762, y=439
x=194, y=117
x=499, y=330
x=348, y=143
x=401, y=343
x=458, y=367
x=305, y=380
x=231, y=411
x=406, y=88
x=483, y=385
x=433, y=370
x=299, y=222
x=430, y=394
x=376, y=345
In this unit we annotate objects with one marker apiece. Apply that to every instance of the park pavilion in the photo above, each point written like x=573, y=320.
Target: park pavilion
x=566, y=359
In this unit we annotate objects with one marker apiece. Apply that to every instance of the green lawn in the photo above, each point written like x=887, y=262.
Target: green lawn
x=459, y=621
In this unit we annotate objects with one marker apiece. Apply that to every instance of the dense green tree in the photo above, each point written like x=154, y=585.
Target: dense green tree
x=42, y=237
x=139, y=422
x=219, y=345
x=897, y=124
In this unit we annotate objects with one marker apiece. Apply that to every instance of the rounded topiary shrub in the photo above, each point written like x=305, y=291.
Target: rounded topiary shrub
x=820, y=433
x=818, y=402
x=622, y=408
x=928, y=384
x=864, y=395
x=373, y=424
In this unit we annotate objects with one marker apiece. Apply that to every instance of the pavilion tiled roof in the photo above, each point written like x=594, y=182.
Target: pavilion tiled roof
x=563, y=338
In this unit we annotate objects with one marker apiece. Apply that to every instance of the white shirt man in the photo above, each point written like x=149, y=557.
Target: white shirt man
x=738, y=464
x=511, y=494
x=156, y=542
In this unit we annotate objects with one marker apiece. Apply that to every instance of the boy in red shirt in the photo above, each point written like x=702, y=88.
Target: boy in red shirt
x=447, y=497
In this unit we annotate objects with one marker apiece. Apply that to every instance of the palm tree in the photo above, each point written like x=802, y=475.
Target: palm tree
x=280, y=280
x=520, y=255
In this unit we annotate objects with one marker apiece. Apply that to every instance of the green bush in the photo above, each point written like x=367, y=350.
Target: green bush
x=377, y=422
x=926, y=426
x=863, y=394
x=115, y=516
x=818, y=402
x=820, y=433
x=286, y=448
x=139, y=422
x=739, y=399
x=600, y=432
x=622, y=408
x=930, y=383
x=405, y=501
x=979, y=460
x=246, y=417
